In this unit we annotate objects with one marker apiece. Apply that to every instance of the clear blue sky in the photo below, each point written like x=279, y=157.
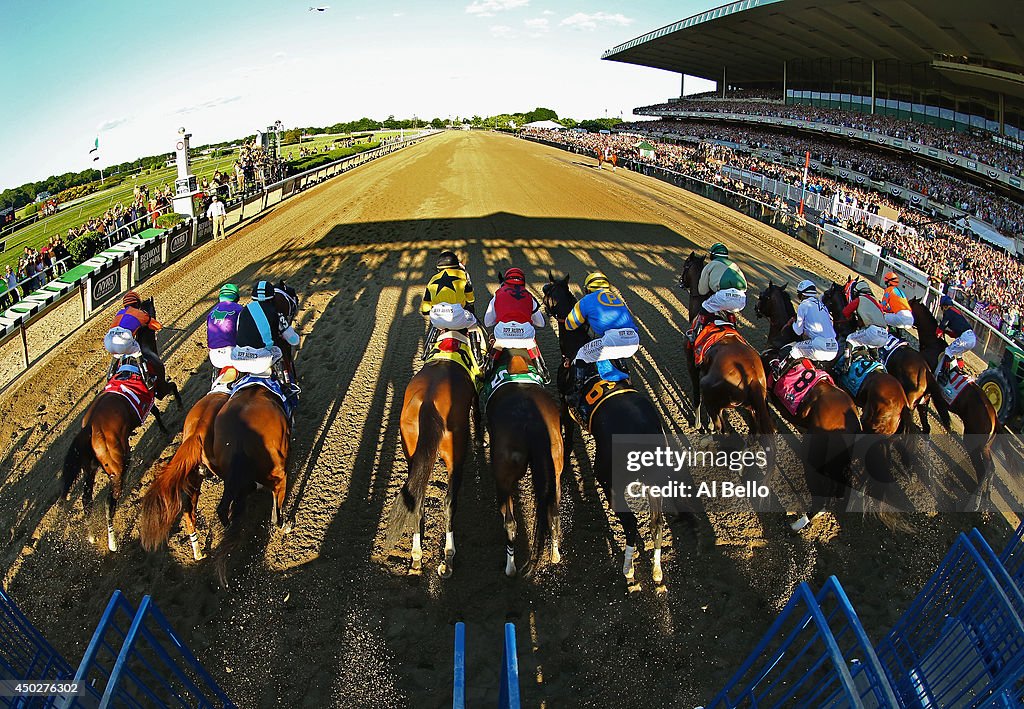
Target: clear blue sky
x=133, y=72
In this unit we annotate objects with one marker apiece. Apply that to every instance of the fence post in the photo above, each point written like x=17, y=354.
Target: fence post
x=81, y=291
x=24, y=344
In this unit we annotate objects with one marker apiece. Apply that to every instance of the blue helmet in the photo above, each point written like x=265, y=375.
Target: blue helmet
x=945, y=301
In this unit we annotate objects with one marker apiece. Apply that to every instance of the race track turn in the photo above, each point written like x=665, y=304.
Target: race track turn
x=325, y=616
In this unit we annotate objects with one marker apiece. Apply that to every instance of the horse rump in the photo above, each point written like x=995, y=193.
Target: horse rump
x=163, y=502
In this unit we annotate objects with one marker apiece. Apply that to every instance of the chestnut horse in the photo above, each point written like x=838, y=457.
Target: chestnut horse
x=731, y=375
x=106, y=427
x=602, y=158
x=971, y=406
x=525, y=431
x=630, y=413
x=435, y=421
x=827, y=414
x=182, y=477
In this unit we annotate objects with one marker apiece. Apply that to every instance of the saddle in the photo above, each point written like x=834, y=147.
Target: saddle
x=852, y=378
x=794, y=382
x=288, y=402
x=893, y=344
x=138, y=362
x=129, y=383
x=455, y=346
x=513, y=369
x=709, y=336
x=592, y=392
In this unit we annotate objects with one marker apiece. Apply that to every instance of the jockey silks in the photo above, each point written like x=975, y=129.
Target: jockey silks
x=894, y=300
x=258, y=323
x=603, y=311
x=954, y=323
x=133, y=320
x=513, y=303
x=222, y=325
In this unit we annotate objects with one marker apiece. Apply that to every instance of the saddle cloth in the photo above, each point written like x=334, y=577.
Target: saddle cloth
x=893, y=344
x=860, y=368
x=594, y=393
x=453, y=346
x=271, y=385
x=502, y=376
x=709, y=336
x=128, y=382
x=794, y=384
x=958, y=381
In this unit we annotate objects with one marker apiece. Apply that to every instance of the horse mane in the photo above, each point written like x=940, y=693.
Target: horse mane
x=787, y=302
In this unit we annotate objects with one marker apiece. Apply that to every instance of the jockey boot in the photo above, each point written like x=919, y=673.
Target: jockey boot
x=942, y=370
x=428, y=341
x=698, y=325
x=731, y=317
x=112, y=369
x=542, y=368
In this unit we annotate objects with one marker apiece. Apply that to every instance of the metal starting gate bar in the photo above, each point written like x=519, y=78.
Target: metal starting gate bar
x=459, y=684
x=508, y=691
x=1013, y=556
x=961, y=642
x=815, y=654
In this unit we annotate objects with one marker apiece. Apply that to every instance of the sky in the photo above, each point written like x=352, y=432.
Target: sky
x=132, y=73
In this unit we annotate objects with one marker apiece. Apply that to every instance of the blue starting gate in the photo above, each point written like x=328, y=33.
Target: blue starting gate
x=961, y=642
x=1013, y=557
x=135, y=659
x=508, y=689
x=815, y=654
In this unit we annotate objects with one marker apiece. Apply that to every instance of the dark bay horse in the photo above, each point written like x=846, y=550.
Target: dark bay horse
x=630, y=413
x=731, y=375
x=251, y=437
x=182, y=478
x=971, y=406
x=435, y=421
x=107, y=425
x=524, y=422
x=827, y=414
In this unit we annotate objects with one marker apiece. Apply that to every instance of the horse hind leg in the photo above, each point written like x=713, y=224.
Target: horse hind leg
x=454, y=458
x=658, y=532
x=509, y=519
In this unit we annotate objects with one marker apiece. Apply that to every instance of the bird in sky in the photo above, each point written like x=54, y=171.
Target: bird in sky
x=320, y=9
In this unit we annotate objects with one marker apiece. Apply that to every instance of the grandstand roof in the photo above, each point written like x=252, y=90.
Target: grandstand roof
x=753, y=37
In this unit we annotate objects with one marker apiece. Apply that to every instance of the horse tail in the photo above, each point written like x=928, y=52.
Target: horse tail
x=163, y=501
x=938, y=400
x=758, y=402
x=406, y=509
x=73, y=461
x=545, y=493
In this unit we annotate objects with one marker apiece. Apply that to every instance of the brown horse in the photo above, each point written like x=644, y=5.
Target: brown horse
x=182, y=477
x=435, y=421
x=972, y=407
x=630, y=413
x=827, y=414
x=107, y=425
x=610, y=158
x=525, y=431
x=731, y=375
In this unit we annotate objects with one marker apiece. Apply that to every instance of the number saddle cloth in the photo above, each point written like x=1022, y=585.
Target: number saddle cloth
x=453, y=346
x=129, y=383
x=794, y=384
x=852, y=379
x=709, y=336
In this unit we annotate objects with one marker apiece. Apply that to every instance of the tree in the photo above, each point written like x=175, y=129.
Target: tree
x=436, y=123
x=291, y=136
x=540, y=114
x=568, y=122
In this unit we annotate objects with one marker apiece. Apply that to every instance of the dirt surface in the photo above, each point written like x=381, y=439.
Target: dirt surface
x=325, y=616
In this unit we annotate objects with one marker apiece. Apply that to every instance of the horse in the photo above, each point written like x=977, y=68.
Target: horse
x=182, y=477
x=434, y=421
x=610, y=157
x=731, y=374
x=971, y=406
x=524, y=422
x=827, y=413
x=108, y=423
x=629, y=413
x=251, y=436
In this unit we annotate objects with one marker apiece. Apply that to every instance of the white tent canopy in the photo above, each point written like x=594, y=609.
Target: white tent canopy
x=545, y=124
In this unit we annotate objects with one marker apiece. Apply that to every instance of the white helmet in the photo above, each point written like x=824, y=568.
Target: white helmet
x=806, y=288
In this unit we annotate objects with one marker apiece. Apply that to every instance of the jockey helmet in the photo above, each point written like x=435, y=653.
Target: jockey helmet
x=945, y=301
x=596, y=281
x=891, y=279
x=515, y=276
x=862, y=287
x=264, y=290
x=806, y=289
x=447, y=259
x=719, y=249
x=229, y=291
x=131, y=298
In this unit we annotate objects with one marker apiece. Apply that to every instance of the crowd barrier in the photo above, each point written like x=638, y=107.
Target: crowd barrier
x=138, y=256
x=860, y=255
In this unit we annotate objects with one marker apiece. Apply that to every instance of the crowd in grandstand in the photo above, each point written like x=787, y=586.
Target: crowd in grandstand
x=34, y=269
x=1002, y=213
x=976, y=147
x=255, y=168
x=954, y=257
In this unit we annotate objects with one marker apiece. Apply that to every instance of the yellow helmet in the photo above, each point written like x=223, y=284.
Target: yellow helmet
x=595, y=282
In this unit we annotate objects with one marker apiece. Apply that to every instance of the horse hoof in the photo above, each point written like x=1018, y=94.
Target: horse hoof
x=200, y=556
x=556, y=556
x=91, y=538
x=633, y=587
x=444, y=571
x=287, y=527
x=112, y=544
x=510, y=568
x=657, y=575
x=800, y=523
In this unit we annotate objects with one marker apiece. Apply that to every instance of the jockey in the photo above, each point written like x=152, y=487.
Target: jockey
x=613, y=325
x=259, y=326
x=221, y=332
x=895, y=306
x=956, y=325
x=863, y=305
x=120, y=339
x=814, y=323
x=726, y=288
x=452, y=290
x=513, y=305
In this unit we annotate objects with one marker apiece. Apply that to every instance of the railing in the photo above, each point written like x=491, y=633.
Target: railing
x=849, y=249
x=508, y=683
x=136, y=257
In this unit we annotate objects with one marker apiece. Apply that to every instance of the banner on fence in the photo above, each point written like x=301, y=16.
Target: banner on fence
x=203, y=230
x=148, y=260
x=102, y=285
x=178, y=244
x=989, y=313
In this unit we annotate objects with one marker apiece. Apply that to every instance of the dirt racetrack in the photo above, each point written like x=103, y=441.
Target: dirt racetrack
x=325, y=616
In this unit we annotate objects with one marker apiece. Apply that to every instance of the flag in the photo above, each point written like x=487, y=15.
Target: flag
x=96, y=147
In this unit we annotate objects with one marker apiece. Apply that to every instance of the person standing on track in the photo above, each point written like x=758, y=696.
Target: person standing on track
x=219, y=215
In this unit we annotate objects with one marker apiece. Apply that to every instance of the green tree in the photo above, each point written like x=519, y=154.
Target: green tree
x=540, y=114
x=436, y=123
x=291, y=136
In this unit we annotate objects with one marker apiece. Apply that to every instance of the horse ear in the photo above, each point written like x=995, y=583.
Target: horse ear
x=551, y=277
x=783, y=286
x=567, y=278
x=770, y=284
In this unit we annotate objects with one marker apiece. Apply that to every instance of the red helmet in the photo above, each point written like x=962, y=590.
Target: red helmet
x=514, y=276
x=131, y=298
